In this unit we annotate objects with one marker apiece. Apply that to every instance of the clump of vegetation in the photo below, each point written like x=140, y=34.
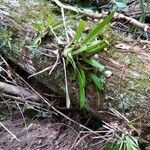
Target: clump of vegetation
x=5, y=38
x=125, y=142
x=7, y=41
x=122, y=135
x=43, y=28
x=78, y=53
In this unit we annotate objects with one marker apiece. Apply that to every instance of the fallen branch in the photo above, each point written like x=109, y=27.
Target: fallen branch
x=118, y=16
x=18, y=90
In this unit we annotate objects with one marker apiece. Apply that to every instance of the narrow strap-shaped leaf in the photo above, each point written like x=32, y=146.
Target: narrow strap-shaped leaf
x=99, y=83
x=71, y=60
x=129, y=143
x=37, y=26
x=95, y=63
x=135, y=141
x=82, y=96
x=58, y=25
x=87, y=47
x=83, y=75
x=79, y=31
x=81, y=81
x=98, y=28
x=102, y=45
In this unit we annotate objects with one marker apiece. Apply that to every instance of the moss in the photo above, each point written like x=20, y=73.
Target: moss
x=28, y=14
x=140, y=84
x=134, y=61
x=114, y=54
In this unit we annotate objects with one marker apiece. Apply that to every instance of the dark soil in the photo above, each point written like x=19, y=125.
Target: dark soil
x=51, y=133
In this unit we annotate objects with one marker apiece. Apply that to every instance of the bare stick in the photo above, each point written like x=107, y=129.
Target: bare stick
x=55, y=64
x=45, y=69
x=14, y=136
x=64, y=22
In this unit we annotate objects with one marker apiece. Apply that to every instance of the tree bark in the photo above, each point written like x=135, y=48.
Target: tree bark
x=126, y=88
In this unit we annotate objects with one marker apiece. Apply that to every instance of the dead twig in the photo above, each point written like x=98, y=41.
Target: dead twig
x=80, y=140
x=51, y=68
x=14, y=136
x=64, y=22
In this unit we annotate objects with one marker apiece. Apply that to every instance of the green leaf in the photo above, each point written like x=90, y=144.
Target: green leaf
x=121, y=142
x=98, y=28
x=131, y=145
x=135, y=141
x=58, y=25
x=81, y=81
x=95, y=63
x=50, y=21
x=83, y=76
x=102, y=45
x=99, y=83
x=37, y=26
x=79, y=31
x=82, y=96
x=143, y=10
x=112, y=146
x=71, y=60
x=37, y=41
x=87, y=47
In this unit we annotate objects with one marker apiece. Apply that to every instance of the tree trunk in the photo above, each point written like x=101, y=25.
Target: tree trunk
x=128, y=86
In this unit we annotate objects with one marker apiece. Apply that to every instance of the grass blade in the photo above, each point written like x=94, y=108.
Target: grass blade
x=98, y=28
x=37, y=41
x=83, y=76
x=95, y=63
x=143, y=10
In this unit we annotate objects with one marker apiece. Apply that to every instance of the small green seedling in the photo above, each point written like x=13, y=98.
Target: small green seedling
x=5, y=38
x=43, y=28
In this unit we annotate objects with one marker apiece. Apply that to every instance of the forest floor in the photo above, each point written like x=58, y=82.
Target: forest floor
x=26, y=125
x=25, y=128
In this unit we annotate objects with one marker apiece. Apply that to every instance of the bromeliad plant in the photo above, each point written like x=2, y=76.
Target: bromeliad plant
x=78, y=53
